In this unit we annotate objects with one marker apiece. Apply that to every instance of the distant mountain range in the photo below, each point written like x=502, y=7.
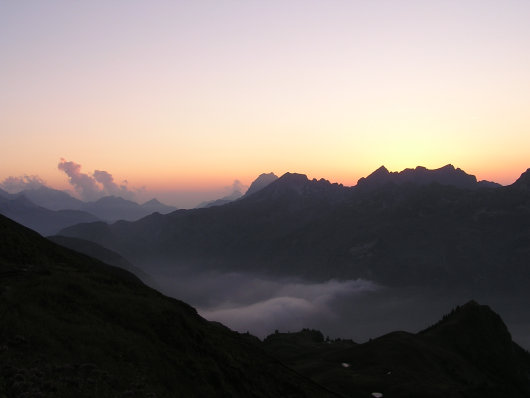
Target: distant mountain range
x=40, y=219
x=52, y=199
x=418, y=227
x=114, y=208
x=48, y=210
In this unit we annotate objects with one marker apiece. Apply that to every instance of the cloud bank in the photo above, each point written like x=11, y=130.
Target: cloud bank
x=261, y=306
x=17, y=184
x=92, y=187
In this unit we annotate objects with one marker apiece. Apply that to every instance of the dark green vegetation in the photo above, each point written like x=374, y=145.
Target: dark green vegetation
x=469, y=353
x=389, y=229
x=72, y=326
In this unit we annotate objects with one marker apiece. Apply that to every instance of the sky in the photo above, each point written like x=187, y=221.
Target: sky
x=178, y=99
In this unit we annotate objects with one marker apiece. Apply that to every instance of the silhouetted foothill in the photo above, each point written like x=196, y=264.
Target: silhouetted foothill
x=469, y=353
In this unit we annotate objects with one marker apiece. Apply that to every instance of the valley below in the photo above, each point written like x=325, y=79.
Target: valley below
x=349, y=309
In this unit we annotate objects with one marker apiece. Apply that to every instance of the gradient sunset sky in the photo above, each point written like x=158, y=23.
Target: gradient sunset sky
x=183, y=97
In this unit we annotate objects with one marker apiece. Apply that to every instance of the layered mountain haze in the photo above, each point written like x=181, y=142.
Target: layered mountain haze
x=52, y=199
x=413, y=233
x=114, y=208
x=249, y=199
x=357, y=262
x=428, y=239
x=42, y=220
x=48, y=210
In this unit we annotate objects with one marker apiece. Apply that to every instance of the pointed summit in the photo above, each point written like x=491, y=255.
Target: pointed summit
x=379, y=177
x=381, y=171
x=261, y=182
x=152, y=202
x=296, y=187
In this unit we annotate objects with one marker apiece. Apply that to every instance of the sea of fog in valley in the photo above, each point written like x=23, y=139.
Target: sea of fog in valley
x=348, y=309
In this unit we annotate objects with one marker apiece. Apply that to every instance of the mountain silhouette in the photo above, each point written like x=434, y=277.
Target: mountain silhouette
x=107, y=208
x=52, y=199
x=261, y=182
x=469, y=353
x=399, y=235
x=44, y=221
x=155, y=206
x=73, y=326
x=446, y=175
x=114, y=208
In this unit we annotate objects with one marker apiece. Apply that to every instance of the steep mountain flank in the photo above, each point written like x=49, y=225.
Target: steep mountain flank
x=74, y=326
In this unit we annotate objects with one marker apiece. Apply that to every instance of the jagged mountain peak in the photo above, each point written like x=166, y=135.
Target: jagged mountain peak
x=381, y=171
x=296, y=186
x=288, y=182
x=261, y=182
x=153, y=201
x=446, y=175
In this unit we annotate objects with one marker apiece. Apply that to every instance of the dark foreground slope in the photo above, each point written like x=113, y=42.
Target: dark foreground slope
x=71, y=326
x=101, y=253
x=469, y=353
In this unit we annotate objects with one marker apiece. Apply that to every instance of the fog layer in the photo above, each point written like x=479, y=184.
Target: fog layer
x=356, y=309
